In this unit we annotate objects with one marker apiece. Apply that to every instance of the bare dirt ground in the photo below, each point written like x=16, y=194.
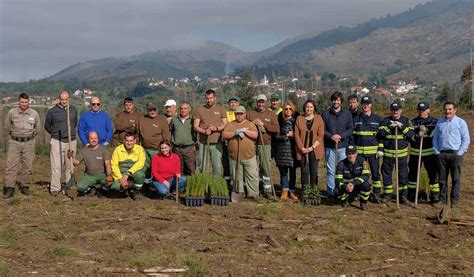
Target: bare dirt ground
x=52, y=236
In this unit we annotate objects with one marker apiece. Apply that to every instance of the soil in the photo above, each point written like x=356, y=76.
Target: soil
x=90, y=235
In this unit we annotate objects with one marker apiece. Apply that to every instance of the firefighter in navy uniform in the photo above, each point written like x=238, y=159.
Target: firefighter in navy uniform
x=388, y=127
x=424, y=126
x=352, y=178
x=366, y=127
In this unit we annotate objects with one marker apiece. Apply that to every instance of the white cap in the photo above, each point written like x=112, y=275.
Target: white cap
x=170, y=102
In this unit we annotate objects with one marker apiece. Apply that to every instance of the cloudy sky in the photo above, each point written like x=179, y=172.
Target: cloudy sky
x=40, y=37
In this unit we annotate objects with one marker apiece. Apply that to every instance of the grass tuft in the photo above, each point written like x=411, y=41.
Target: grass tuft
x=62, y=252
x=196, y=267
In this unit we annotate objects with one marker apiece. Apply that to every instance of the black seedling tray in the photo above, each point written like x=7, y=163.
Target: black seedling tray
x=311, y=201
x=194, y=201
x=220, y=200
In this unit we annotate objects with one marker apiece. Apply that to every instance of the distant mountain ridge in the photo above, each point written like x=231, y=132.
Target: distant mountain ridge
x=429, y=41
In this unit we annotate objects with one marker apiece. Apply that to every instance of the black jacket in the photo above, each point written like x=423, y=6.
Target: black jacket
x=285, y=149
x=340, y=123
x=56, y=123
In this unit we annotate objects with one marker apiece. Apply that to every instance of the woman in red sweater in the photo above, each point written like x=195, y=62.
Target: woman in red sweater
x=165, y=168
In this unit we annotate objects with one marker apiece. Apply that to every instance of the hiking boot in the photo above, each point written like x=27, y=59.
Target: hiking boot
x=25, y=191
x=345, y=204
x=284, y=196
x=294, y=197
x=375, y=198
x=356, y=197
x=8, y=193
x=363, y=206
x=387, y=197
x=268, y=195
x=403, y=199
x=54, y=193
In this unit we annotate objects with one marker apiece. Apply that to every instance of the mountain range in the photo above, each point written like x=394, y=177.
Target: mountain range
x=428, y=42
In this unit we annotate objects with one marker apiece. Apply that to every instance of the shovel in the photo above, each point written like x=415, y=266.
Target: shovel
x=236, y=196
x=444, y=215
x=267, y=163
x=72, y=180
x=397, y=190
x=418, y=173
x=177, y=189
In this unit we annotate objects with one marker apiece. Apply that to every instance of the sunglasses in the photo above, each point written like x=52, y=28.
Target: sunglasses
x=288, y=109
x=95, y=104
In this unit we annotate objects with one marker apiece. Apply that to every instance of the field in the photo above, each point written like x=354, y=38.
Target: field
x=56, y=236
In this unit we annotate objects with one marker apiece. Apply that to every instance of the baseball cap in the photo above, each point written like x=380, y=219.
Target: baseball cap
x=233, y=97
x=423, y=106
x=150, y=106
x=366, y=100
x=261, y=97
x=351, y=149
x=275, y=96
x=170, y=102
x=128, y=99
x=395, y=106
x=240, y=109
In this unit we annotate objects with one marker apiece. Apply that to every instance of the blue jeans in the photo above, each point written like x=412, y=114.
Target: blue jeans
x=163, y=190
x=285, y=184
x=331, y=167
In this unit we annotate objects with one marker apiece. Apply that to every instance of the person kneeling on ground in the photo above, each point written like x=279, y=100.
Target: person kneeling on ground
x=128, y=162
x=352, y=177
x=96, y=157
x=166, y=170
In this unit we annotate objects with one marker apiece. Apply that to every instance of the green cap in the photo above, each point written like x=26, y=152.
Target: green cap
x=275, y=96
x=233, y=97
x=240, y=109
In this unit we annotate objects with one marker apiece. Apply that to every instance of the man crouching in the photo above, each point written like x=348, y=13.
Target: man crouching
x=352, y=178
x=96, y=158
x=128, y=162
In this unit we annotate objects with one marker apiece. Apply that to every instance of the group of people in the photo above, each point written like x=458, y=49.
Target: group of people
x=240, y=145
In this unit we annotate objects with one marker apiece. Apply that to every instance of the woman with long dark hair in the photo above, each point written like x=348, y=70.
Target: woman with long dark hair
x=285, y=154
x=166, y=170
x=309, y=138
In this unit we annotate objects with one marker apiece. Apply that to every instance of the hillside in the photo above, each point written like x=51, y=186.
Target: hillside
x=429, y=41
x=209, y=59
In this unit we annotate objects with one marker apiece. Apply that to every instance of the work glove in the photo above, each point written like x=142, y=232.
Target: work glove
x=69, y=154
x=261, y=129
x=109, y=180
x=396, y=124
x=238, y=131
x=379, y=154
x=423, y=131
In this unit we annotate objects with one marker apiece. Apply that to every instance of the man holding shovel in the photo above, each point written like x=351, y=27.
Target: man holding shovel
x=395, y=132
x=63, y=140
x=267, y=126
x=421, y=151
x=241, y=135
x=209, y=121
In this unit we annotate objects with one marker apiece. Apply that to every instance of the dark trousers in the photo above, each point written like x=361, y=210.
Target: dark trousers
x=374, y=171
x=431, y=165
x=187, y=155
x=309, y=170
x=449, y=163
x=388, y=166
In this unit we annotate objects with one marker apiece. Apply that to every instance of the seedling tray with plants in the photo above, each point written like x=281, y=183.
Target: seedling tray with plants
x=196, y=189
x=311, y=196
x=219, y=191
